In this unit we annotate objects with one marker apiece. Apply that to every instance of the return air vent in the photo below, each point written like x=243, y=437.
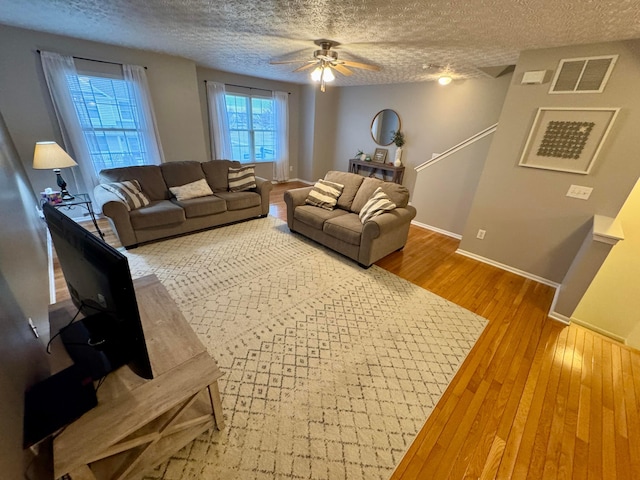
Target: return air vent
x=583, y=75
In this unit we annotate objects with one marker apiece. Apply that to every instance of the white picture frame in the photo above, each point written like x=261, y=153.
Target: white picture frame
x=567, y=139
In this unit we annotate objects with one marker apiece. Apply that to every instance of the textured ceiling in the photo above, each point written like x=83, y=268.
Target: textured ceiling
x=400, y=36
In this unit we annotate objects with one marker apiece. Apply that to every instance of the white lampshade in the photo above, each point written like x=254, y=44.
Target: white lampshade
x=445, y=80
x=322, y=72
x=328, y=74
x=316, y=74
x=49, y=155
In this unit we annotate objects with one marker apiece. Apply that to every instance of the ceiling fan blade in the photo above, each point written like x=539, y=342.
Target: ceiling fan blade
x=364, y=66
x=304, y=67
x=342, y=69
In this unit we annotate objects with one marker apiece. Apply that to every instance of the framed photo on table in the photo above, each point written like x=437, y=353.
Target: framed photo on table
x=567, y=139
x=380, y=155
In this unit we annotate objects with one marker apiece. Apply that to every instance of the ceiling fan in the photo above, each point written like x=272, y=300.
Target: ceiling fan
x=325, y=61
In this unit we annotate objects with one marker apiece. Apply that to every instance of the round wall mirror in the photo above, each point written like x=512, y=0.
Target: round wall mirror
x=385, y=122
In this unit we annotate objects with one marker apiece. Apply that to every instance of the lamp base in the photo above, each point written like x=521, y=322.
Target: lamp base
x=66, y=195
x=63, y=185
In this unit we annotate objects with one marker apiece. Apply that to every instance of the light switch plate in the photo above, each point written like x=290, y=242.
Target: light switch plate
x=578, y=191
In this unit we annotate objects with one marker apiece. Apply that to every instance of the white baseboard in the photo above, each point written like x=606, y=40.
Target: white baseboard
x=508, y=268
x=559, y=317
x=437, y=230
x=50, y=270
x=599, y=330
x=294, y=180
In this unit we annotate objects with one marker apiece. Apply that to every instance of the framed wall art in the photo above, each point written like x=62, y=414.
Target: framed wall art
x=380, y=155
x=567, y=139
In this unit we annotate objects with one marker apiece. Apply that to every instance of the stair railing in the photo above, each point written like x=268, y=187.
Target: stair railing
x=472, y=139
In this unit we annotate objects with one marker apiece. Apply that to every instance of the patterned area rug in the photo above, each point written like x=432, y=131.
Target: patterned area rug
x=330, y=370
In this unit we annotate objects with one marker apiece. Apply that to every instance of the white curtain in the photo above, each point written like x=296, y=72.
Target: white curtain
x=218, y=122
x=136, y=79
x=58, y=71
x=281, y=164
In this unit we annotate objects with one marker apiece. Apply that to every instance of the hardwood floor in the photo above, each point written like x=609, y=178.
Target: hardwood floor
x=534, y=399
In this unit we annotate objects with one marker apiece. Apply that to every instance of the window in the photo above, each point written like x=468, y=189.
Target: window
x=252, y=127
x=109, y=119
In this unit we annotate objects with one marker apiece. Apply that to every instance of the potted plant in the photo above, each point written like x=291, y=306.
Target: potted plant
x=398, y=139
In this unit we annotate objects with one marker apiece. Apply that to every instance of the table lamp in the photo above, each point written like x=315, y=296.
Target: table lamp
x=50, y=155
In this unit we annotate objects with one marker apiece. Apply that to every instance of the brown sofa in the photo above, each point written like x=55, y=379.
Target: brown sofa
x=341, y=230
x=165, y=216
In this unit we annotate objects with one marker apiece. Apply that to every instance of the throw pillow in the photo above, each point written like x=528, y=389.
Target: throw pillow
x=241, y=179
x=199, y=188
x=129, y=192
x=324, y=194
x=376, y=205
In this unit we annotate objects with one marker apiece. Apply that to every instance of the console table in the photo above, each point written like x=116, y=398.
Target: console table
x=396, y=172
x=139, y=423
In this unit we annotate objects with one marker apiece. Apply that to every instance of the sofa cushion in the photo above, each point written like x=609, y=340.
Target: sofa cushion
x=316, y=216
x=378, y=204
x=202, y=206
x=129, y=192
x=351, y=183
x=346, y=228
x=242, y=179
x=216, y=172
x=148, y=176
x=324, y=194
x=240, y=200
x=397, y=193
x=199, y=188
x=157, y=214
x=181, y=173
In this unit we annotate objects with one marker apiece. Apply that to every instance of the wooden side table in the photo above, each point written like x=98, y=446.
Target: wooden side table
x=397, y=173
x=139, y=423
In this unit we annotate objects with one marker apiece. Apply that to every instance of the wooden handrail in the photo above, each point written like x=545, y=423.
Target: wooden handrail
x=458, y=147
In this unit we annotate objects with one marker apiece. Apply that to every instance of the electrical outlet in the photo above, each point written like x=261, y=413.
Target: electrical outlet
x=291, y=168
x=481, y=234
x=578, y=191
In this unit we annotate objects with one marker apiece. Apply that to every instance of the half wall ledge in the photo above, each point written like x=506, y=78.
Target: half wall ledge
x=605, y=233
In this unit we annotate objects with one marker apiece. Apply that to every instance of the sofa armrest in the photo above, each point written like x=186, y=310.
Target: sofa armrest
x=264, y=187
x=294, y=198
x=384, y=234
x=388, y=222
x=102, y=196
x=117, y=212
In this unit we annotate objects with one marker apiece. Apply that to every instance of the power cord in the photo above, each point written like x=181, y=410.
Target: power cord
x=62, y=329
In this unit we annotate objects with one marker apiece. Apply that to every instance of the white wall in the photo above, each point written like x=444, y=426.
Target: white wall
x=433, y=118
x=531, y=225
x=26, y=104
x=611, y=303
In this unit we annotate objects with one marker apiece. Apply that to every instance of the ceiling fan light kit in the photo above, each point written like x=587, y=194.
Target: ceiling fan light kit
x=325, y=62
x=445, y=80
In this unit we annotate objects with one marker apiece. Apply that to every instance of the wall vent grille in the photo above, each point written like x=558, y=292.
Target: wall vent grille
x=583, y=75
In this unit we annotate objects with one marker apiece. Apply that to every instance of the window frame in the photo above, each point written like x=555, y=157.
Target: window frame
x=251, y=130
x=99, y=135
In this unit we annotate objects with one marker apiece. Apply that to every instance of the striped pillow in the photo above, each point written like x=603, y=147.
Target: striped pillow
x=376, y=205
x=129, y=192
x=241, y=179
x=324, y=194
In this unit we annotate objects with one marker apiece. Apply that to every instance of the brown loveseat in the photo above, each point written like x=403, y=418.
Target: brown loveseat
x=165, y=215
x=341, y=229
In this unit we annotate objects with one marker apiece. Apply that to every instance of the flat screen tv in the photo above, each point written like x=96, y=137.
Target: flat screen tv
x=99, y=280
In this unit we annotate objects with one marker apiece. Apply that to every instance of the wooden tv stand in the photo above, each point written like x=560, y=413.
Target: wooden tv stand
x=139, y=423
